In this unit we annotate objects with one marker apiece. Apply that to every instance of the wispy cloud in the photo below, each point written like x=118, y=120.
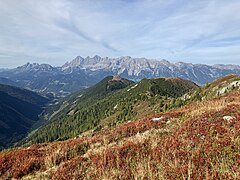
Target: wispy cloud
x=56, y=31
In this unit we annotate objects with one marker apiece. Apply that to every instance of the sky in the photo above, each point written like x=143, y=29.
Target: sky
x=56, y=31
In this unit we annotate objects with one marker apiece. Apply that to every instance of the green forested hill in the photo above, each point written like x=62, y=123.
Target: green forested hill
x=19, y=110
x=113, y=100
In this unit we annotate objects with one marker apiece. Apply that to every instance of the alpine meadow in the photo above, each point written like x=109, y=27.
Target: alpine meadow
x=119, y=89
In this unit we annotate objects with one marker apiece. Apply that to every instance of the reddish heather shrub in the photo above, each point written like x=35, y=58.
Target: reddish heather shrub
x=201, y=147
x=21, y=162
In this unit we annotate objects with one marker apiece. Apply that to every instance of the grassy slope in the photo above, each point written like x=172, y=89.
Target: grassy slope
x=198, y=141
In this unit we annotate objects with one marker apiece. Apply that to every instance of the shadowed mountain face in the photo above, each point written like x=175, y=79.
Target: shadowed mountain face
x=19, y=110
x=81, y=73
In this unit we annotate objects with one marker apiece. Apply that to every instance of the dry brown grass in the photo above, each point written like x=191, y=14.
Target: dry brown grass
x=197, y=108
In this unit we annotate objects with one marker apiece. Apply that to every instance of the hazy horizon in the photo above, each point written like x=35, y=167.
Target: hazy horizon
x=56, y=31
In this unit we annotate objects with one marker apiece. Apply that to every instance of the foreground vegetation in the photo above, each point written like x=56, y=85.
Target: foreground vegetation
x=197, y=141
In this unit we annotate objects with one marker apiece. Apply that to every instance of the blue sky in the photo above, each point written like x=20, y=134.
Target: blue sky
x=55, y=31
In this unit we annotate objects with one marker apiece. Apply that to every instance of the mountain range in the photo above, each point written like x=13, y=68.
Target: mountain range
x=81, y=73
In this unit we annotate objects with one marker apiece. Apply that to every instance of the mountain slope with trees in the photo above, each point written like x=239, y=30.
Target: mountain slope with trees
x=112, y=101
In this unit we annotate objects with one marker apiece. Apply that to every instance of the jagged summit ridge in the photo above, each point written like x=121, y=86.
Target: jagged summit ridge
x=138, y=68
x=35, y=67
x=98, y=62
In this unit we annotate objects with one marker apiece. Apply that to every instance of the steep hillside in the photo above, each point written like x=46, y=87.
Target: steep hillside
x=112, y=101
x=197, y=141
x=221, y=86
x=19, y=110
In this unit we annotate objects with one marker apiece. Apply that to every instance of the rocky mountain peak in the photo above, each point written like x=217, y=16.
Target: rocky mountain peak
x=74, y=63
x=35, y=67
x=97, y=57
x=165, y=62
